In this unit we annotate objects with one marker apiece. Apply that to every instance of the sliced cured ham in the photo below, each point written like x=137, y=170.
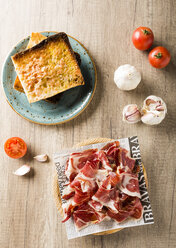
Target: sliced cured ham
x=137, y=210
x=83, y=184
x=81, y=197
x=90, y=168
x=130, y=207
x=127, y=164
x=68, y=192
x=119, y=216
x=129, y=184
x=109, y=147
x=85, y=215
x=96, y=205
x=77, y=161
x=102, y=184
x=68, y=209
x=112, y=153
x=104, y=161
x=101, y=175
x=108, y=194
x=113, y=179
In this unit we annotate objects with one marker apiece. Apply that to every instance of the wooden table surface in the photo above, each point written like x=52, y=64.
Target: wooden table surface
x=28, y=216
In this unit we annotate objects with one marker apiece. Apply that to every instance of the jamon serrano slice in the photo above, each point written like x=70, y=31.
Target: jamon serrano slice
x=78, y=199
x=127, y=164
x=104, y=161
x=107, y=194
x=68, y=192
x=83, y=184
x=112, y=180
x=68, y=209
x=112, y=153
x=90, y=168
x=97, y=206
x=84, y=189
x=129, y=184
x=130, y=207
x=86, y=215
x=118, y=157
x=109, y=148
x=77, y=161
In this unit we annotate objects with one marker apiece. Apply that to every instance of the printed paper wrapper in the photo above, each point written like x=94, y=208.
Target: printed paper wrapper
x=131, y=144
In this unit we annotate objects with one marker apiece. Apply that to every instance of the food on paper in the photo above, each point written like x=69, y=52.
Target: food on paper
x=131, y=114
x=126, y=77
x=159, y=57
x=102, y=184
x=154, y=110
x=41, y=158
x=48, y=68
x=108, y=225
x=143, y=38
x=23, y=170
x=15, y=147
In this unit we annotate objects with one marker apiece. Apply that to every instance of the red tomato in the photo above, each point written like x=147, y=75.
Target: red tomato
x=159, y=57
x=143, y=38
x=15, y=147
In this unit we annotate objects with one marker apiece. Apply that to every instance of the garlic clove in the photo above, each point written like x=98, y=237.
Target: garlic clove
x=23, y=170
x=126, y=77
x=160, y=108
x=150, y=101
x=153, y=111
x=149, y=118
x=41, y=158
x=131, y=114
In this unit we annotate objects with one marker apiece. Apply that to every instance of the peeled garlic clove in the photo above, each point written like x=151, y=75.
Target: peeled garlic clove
x=131, y=113
x=41, y=158
x=126, y=77
x=23, y=170
x=153, y=111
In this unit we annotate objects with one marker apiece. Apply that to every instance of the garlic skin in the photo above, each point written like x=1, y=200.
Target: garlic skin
x=23, y=170
x=41, y=158
x=126, y=77
x=131, y=114
x=153, y=111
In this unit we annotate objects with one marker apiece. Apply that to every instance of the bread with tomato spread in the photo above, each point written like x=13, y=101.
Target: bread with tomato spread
x=35, y=38
x=48, y=68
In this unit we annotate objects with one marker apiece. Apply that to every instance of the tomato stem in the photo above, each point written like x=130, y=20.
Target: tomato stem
x=146, y=32
x=158, y=55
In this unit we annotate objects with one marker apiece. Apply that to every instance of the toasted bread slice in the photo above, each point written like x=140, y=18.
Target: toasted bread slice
x=48, y=68
x=34, y=40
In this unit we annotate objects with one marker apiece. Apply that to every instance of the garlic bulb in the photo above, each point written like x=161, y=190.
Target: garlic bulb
x=153, y=111
x=41, y=158
x=126, y=77
x=23, y=170
x=131, y=113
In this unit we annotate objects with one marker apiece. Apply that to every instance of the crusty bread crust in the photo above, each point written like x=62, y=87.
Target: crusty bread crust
x=42, y=44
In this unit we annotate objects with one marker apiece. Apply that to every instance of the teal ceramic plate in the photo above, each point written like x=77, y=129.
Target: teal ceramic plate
x=71, y=102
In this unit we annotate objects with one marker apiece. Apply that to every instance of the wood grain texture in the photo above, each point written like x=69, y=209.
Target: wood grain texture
x=28, y=216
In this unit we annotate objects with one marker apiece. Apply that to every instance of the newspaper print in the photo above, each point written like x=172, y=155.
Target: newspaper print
x=131, y=144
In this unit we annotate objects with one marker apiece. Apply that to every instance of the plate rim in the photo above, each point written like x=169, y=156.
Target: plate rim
x=71, y=118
